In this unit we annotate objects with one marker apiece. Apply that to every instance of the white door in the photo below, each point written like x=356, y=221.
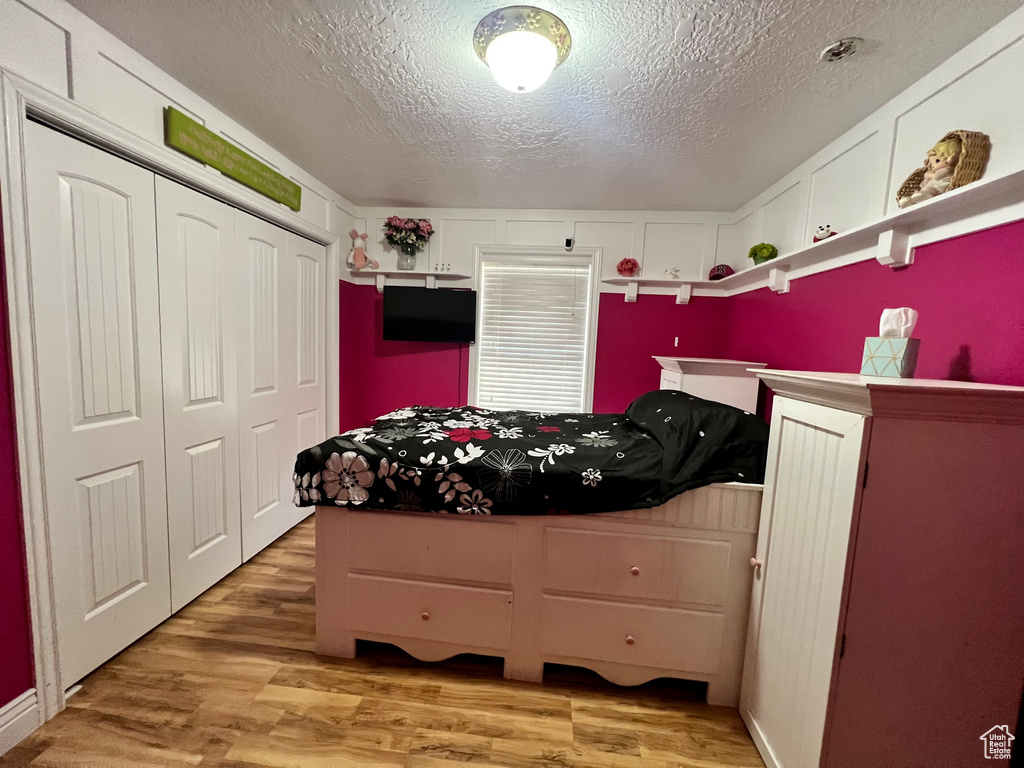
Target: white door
x=810, y=492
x=267, y=337
x=309, y=261
x=96, y=311
x=198, y=289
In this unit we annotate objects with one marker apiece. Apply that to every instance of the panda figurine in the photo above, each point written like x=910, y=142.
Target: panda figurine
x=824, y=232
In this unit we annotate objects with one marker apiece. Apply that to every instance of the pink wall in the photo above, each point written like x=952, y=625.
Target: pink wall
x=379, y=376
x=629, y=334
x=969, y=291
x=15, y=634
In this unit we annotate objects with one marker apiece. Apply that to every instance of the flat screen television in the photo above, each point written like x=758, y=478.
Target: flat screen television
x=429, y=314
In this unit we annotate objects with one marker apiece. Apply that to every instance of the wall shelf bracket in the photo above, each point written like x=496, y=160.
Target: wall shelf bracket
x=684, y=294
x=894, y=249
x=631, y=291
x=778, y=279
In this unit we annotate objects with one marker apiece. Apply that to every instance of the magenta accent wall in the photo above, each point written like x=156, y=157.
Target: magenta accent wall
x=969, y=291
x=15, y=632
x=379, y=376
x=629, y=334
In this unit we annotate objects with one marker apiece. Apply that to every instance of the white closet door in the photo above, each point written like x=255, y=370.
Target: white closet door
x=309, y=262
x=266, y=389
x=810, y=491
x=198, y=288
x=97, y=327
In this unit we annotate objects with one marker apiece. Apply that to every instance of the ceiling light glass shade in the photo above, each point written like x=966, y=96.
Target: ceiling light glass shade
x=522, y=45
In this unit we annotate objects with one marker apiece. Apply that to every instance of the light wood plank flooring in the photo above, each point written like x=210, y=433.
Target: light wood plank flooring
x=232, y=680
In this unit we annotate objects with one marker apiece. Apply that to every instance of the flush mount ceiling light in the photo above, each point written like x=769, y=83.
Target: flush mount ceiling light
x=522, y=45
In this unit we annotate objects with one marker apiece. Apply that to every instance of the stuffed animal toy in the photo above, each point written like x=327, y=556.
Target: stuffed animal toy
x=824, y=232
x=357, y=258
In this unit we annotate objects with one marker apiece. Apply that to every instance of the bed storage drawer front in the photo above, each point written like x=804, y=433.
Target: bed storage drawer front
x=450, y=550
x=442, y=612
x=680, y=570
x=669, y=638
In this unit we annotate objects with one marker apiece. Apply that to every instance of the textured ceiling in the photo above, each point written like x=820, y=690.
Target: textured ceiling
x=662, y=105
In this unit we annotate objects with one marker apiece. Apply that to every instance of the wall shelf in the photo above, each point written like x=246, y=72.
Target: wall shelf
x=981, y=205
x=683, y=287
x=965, y=210
x=429, y=279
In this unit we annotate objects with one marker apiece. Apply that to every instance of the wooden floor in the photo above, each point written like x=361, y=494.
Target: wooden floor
x=232, y=680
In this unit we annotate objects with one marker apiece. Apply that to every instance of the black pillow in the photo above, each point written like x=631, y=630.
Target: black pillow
x=703, y=441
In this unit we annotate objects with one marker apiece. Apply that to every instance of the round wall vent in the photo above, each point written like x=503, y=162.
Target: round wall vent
x=841, y=49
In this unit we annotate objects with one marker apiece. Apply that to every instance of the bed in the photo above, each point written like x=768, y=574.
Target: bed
x=617, y=542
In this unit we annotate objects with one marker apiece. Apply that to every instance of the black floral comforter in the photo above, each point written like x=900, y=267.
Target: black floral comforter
x=474, y=461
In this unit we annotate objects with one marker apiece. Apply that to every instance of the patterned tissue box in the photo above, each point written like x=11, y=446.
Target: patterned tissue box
x=896, y=358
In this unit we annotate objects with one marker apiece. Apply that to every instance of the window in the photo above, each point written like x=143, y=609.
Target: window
x=535, y=336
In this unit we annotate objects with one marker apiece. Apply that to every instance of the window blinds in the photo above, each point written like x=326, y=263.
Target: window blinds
x=532, y=349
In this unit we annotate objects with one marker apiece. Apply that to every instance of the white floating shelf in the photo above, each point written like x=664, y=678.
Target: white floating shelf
x=977, y=206
x=683, y=287
x=973, y=206
x=429, y=278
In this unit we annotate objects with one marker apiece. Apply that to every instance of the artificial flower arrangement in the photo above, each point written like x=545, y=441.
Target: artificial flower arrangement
x=410, y=236
x=628, y=267
x=763, y=252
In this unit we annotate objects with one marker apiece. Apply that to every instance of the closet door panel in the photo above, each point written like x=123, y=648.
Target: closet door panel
x=97, y=327
x=808, y=503
x=195, y=235
x=267, y=431
x=309, y=368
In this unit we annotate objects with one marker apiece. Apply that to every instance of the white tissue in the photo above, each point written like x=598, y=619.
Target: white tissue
x=897, y=323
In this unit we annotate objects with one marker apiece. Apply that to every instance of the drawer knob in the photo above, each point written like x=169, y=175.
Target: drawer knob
x=425, y=616
x=755, y=563
x=629, y=640
x=635, y=571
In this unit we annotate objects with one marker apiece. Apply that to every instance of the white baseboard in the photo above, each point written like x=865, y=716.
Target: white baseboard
x=18, y=719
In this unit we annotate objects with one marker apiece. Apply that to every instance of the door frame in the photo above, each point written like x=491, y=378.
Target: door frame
x=21, y=100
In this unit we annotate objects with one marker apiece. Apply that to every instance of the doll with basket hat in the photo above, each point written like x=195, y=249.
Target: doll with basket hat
x=958, y=159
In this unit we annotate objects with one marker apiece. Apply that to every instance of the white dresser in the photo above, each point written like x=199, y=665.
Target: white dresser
x=634, y=595
x=886, y=624
x=724, y=381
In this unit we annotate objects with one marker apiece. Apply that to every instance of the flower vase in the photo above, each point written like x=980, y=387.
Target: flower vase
x=407, y=258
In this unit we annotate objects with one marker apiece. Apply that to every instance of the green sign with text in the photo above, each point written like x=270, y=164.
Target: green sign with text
x=184, y=134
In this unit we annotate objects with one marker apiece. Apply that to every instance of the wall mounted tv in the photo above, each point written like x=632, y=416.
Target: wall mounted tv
x=429, y=314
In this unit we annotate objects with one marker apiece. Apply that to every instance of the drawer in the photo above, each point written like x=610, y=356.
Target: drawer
x=666, y=638
x=442, y=612
x=683, y=570
x=671, y=380
x=434, y=546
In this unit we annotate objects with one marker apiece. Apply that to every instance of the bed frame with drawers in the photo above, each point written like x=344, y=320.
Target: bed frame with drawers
x=634, y=595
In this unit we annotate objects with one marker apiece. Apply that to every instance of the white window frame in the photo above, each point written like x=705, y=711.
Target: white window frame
x=591, y=255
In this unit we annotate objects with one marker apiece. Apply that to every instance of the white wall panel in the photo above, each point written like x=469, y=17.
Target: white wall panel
x=457, y=241
x=614, y=238
x=548, y=233
x=782, y=220
x=989, y=98
x=128, y=100
x=673, y=245
x=734, y=242
x=33, y=46
x=848, y=191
